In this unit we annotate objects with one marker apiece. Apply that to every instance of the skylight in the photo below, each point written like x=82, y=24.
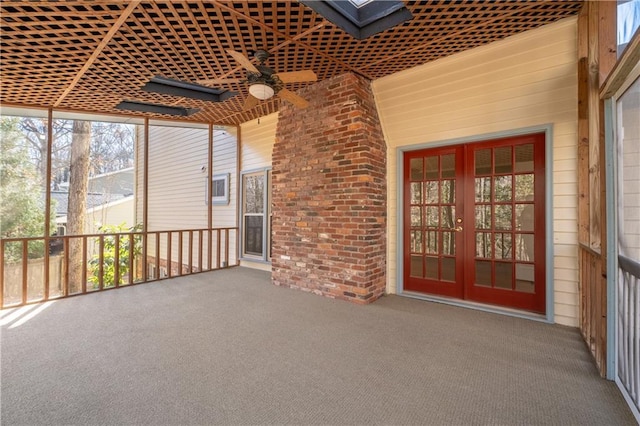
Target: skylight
x=361, y=18
x=359, y=3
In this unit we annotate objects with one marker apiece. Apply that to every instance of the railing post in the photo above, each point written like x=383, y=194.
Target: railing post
x=131, y=256
x=25, y=269
x=101, y=260
x=169, y=254
x=218, y=248
x=190, y=251
x=180, y=252
x=2, y=260
x=157, y=253
x=84, y=264
x=116, y=261
x=200, y=268
x=226, y=246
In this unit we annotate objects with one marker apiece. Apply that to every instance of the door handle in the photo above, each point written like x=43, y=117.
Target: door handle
x=457, y=229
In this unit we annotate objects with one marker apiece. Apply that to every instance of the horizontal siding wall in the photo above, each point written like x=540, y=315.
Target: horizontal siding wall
x=522, y=81
x=178, y=176
x=176, y=179
x=258, y=137
x=225, y=160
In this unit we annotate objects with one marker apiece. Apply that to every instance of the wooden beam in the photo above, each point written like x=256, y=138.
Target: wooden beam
x=103, y=43
x=583, y=127
x=629, y=59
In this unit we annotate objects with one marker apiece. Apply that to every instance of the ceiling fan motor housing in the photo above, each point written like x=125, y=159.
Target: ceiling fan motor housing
x=265, y=76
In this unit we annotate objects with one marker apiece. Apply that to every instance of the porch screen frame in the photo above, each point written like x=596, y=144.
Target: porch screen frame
x=611, y=98
x=547, y=129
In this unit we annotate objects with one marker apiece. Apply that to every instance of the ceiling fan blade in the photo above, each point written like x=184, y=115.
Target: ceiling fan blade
x=298, y=101
x=214, y=81
x=250, y=102
x=243, y=60
x=297, y=76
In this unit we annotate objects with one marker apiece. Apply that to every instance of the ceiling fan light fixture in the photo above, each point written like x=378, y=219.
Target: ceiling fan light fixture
x=261, y=91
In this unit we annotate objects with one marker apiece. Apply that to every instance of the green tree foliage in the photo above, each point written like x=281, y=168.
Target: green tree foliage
x=125, y=251
x=22, y=209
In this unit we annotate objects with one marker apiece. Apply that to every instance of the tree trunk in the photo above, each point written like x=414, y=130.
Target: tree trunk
x=77, y=205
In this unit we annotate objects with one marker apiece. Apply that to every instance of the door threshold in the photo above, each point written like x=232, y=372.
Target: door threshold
x=477, y=306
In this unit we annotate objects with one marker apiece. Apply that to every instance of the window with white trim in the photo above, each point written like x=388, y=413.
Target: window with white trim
x=256, y=215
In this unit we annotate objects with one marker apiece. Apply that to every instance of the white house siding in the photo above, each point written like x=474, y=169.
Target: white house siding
x=526, y=80
x=177, y=179
x=258, y=137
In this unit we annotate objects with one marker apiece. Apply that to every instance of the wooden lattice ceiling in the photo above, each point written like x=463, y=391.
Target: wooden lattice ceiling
x=90, y=55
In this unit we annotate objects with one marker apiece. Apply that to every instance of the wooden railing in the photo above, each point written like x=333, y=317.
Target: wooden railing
x=593, y=290
x=79, y=264
x=628, y=319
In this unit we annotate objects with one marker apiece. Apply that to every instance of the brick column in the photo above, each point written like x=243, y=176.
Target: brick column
x=329, y=193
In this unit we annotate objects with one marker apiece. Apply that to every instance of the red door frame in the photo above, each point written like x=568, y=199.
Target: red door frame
x=465, y=257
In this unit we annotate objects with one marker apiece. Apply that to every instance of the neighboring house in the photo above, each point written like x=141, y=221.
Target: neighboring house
x=110, y=200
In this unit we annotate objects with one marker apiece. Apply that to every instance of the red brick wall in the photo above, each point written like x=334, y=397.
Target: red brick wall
x=329, y=193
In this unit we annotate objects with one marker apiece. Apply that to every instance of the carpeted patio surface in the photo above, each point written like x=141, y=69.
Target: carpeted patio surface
x=227, y=347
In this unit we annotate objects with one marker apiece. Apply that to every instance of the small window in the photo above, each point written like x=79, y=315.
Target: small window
x=220, y=189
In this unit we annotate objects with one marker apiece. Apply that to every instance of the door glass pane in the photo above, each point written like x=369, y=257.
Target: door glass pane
x=448, y=217
x=524, y=247
x=525, y=277
x=416, y=266
x=483, y=189
x=432, y=171
x=483, y=162
x=416, y=192
x=503, y=187
x=524, y=187
x=503, y=160
x=524, y=158
x=416, y=216
x=524, y=217
x=448, y=269
x=432, y=214
x=417, y=172
x=431, y=192
x=504, y=275
x=503, y=246
x=483, y=245
x=483, y=217
x=483, y=273
x=253, y=235
x=448, y=243
x=448, y=189
x=503, y=215
x=448, y=166
x=431, y=242
x=416, y=241
x=432, y=267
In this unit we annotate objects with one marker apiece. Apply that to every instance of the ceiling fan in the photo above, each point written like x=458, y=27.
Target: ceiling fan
x=264, y=82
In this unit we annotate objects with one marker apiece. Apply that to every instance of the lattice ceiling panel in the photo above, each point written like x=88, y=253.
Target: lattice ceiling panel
x=90, y=55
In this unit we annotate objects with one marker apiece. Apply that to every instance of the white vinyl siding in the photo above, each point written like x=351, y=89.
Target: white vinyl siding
x=177, y=183
x=225, y=160
x=523, y=81
x=176, y=179
x=258, y=137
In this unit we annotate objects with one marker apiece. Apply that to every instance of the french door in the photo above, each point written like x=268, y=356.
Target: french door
x=474, y=225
